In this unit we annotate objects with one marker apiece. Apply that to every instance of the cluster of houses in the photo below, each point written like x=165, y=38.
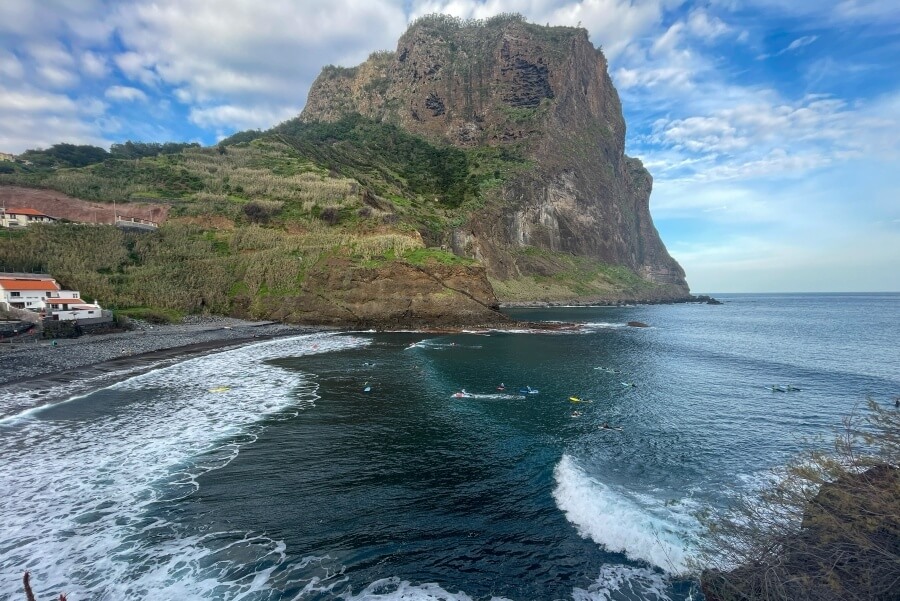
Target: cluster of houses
x=22, y=217
x=43, y=295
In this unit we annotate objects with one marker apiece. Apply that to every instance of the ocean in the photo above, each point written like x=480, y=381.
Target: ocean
x=268, y=472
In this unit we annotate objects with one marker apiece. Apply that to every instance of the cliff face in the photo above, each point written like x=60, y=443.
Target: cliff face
x=541, y=92
x=394, y=295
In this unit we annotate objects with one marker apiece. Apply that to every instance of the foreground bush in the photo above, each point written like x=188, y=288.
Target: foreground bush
x=829, y=529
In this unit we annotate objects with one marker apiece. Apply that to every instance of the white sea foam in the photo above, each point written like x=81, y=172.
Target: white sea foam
x=81, y=504
x=614, y=583
x=395, y=589
x=625, y=583
x=497, y=397
x=642, y=527
x=16, y=402
x=602, y=325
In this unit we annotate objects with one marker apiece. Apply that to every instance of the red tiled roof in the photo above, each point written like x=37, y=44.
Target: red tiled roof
x=66, y=301
x=32, y=212
x=28, y=284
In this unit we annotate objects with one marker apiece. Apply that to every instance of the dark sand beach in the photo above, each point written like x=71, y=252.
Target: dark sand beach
x=43, y=364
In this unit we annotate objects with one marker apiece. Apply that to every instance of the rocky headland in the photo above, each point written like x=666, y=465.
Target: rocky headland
x=543, y=93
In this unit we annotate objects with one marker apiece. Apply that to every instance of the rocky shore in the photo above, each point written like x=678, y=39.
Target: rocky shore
x=69, y=359
x=605, y=302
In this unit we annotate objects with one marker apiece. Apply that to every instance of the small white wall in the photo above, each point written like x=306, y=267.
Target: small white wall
x=77, y=314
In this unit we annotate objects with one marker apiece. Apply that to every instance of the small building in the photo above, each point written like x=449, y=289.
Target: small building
x=22, y=217
x=5, y=156
x=67, y=305
x=24, y=291
x=79, y=313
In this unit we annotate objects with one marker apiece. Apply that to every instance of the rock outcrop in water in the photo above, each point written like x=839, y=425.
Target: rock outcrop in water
x=541, y=93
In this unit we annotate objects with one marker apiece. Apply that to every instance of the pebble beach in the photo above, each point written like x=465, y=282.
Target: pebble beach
x=30, y=363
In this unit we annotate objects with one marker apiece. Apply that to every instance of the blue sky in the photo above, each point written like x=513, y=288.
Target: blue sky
x=772, y=128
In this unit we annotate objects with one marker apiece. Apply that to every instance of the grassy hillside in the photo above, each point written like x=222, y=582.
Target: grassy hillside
x=187, y=268
x=353, y=173
x=253, y=215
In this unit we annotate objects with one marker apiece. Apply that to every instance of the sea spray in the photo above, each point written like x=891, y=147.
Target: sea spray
x=88, y=486
x=622, y=522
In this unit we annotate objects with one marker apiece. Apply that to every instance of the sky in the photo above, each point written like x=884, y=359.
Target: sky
x=771, y=127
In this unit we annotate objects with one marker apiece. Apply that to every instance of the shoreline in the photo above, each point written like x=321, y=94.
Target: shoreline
x=606, y=302
x=77, y=366
x=80, y=365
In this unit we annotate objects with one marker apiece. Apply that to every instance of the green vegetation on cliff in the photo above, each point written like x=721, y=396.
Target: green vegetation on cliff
x=353, y=172
x=566, y=275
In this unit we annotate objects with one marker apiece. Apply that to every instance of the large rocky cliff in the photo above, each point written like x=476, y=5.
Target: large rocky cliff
x=542, y=94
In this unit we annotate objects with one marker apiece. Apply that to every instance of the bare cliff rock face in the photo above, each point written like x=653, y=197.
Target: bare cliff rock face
x=542, y=92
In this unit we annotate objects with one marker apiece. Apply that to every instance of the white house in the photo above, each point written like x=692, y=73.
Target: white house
x=26, y=291
x=67, y=305
x=23, y=217
x=78, y=313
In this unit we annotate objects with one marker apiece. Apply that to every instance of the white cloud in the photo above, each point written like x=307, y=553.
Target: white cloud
x=137, y=67
x=614, y=24
x=10, y=66
x=675, y=60
x=218, y=51
x=93, y=64
x=801, y=42
x=231, y=116
x=57, y=77
x=795, y=45
x=125, y=94
x=707, y=27
x=22, y=101
x=53, y=63
x=768, y=136
x=35, y=118
x=85, y=21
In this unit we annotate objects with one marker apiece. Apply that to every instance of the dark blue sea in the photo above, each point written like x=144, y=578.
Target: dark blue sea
x=268, y=472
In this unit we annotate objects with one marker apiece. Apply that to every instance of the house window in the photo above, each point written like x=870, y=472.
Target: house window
x=15, y=294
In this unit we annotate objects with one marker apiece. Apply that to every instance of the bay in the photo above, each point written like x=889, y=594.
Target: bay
x=268, y=472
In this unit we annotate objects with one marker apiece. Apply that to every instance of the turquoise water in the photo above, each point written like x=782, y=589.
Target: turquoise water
x=268, y=473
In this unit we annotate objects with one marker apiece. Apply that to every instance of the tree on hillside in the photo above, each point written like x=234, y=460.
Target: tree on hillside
x=827, y=530
x=66, y=155
x=139, y=150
